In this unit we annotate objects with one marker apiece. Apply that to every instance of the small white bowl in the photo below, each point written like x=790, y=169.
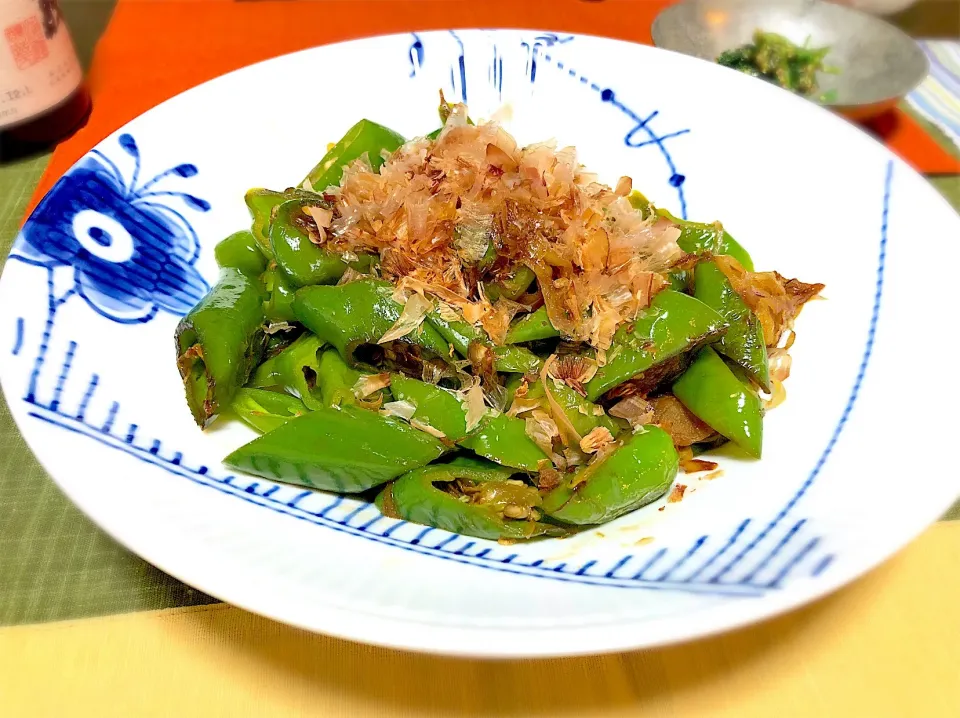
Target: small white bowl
x=877, y=63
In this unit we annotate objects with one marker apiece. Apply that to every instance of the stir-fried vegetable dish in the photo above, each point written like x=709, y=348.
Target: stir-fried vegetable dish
x=483, y=337
x=774, y=58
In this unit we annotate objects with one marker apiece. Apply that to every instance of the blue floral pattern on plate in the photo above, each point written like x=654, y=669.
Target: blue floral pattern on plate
x=131, y=255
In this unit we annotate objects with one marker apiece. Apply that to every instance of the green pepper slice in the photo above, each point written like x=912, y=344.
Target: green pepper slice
x=531, y=327
x=486, y=500
x=364, y=138
x=266, y=410
x=638, y=471
x=703, y=238
x=743, y=342
x=262, y=204
x=219, y=342
x=510, y=287
x=717, y=396
x=241, y=251
x=295, y=370
x=696, y=237
x=672, y=324
x=460, y=333
x=344, y=449
x=501, y=438
x=278, y=306
x=640, y=203
x=585, y=416
x=335, y=379
x=680, y=280
x=358, y=313
x=435, y=406
x=303, y=261
x=504, y=439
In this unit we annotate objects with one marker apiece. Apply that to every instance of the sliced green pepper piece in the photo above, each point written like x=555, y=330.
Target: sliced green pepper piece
x=584, y=415
x=638, y=471
x=294, y=370
x=733, y=248
x=278, y=307
x=384, y=499
x=461, y=334
x=511, y=287
x=672, y=324
x=416, y=498
x=345, y=450
x=743, y=342
x=436, y=407
x=702, y=238
x=516, y=360
x=680, y=280
x=357, y=313
x=277, y=342
x=262, y=204
x=531, y=327
x=710, y=390
x=240, y=251
x=504, y=439
x=219, y=342
x=336, y=379
x=266, y=410
x=303, y=261
x=696, y=237
x=364, y=138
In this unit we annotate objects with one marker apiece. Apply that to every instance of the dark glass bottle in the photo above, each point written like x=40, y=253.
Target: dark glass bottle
x=42, y=95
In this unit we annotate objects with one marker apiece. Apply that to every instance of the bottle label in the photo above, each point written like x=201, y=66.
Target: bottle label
x=38, y=64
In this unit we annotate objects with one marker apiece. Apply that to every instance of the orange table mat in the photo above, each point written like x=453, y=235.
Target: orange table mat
x=154, y=49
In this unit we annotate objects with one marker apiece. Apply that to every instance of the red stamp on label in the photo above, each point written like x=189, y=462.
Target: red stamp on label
x=26, y=42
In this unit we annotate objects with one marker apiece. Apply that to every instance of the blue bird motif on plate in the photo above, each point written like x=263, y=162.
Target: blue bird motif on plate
x=131, y=253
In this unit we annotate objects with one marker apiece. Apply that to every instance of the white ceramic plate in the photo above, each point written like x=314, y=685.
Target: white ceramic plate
x=851, y=471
